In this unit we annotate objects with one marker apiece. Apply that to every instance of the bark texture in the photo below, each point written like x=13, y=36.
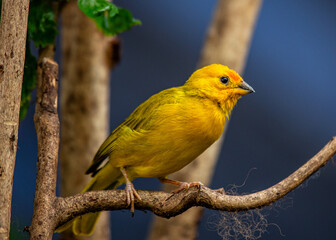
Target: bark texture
x=13, y=32
x=227, y=42
x=169, y=205
x=86, y=59
x=47, y=130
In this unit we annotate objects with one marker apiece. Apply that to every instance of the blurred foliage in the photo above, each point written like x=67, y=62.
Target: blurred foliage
x=109, y=18
x=29, y=80
x=42, y=27
x=42, y=30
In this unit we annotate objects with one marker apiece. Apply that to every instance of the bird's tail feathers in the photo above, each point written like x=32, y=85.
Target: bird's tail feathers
x=107, y=178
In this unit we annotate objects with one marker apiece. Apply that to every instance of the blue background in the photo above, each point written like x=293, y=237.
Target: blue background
x=291, y=65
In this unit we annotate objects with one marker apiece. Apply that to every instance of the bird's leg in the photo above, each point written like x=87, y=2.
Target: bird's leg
x=130, y=190
x=182, y=185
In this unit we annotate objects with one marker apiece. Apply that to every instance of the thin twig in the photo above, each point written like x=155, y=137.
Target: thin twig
x=168, y=205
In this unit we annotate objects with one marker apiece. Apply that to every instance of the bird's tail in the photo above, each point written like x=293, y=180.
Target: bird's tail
x=107, y=178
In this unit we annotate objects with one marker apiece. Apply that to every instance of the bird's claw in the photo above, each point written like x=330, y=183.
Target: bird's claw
x=185, y=186
x=130, y=193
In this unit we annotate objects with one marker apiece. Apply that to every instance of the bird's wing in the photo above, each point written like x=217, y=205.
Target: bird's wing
x=140, y=119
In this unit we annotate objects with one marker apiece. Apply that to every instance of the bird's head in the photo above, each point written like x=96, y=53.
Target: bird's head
x=219, y=83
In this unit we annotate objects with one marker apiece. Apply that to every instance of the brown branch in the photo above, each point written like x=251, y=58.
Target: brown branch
x=47, y=129
x=13, y=31
x=168, y=205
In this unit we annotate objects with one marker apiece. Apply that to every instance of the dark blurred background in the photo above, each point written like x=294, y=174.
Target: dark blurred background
x=291, y=65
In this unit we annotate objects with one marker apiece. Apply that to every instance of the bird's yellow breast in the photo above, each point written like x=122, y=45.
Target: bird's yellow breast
x=184, y=131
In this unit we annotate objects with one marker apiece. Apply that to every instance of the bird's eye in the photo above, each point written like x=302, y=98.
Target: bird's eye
x=224, y=80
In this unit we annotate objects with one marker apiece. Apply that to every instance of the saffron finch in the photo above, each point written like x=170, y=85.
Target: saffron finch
x=164, y=134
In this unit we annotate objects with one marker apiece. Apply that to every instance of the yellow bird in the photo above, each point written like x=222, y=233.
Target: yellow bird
x=164, y=134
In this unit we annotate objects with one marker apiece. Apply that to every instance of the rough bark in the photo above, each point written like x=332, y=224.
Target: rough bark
x=227, y=42
x=47, y=130
x=168, y=205
x=13, y=32
x=86, y=59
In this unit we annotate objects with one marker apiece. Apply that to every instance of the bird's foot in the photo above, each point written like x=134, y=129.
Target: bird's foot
x=131, y=194
x=181, y=185
x=185, y=186
x=130, y=191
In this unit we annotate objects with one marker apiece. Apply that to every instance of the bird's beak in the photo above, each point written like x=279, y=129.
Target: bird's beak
x=245, y=87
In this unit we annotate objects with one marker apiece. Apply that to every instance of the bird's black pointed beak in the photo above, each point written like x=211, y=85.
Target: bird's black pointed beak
x=243, y=85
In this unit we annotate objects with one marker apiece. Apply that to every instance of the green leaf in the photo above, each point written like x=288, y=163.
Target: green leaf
x=42, y=27
x=29, y=80
x=108, y=17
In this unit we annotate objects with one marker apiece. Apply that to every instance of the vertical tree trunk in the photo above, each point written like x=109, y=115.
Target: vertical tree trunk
x=13, y=32
x=86, y=62
x=227, y=42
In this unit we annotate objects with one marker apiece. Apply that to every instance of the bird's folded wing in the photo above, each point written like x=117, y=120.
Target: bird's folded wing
x=142, y=119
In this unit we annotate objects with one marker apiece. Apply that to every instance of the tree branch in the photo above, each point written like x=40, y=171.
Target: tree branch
x=168, y=205
x=47, y=130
